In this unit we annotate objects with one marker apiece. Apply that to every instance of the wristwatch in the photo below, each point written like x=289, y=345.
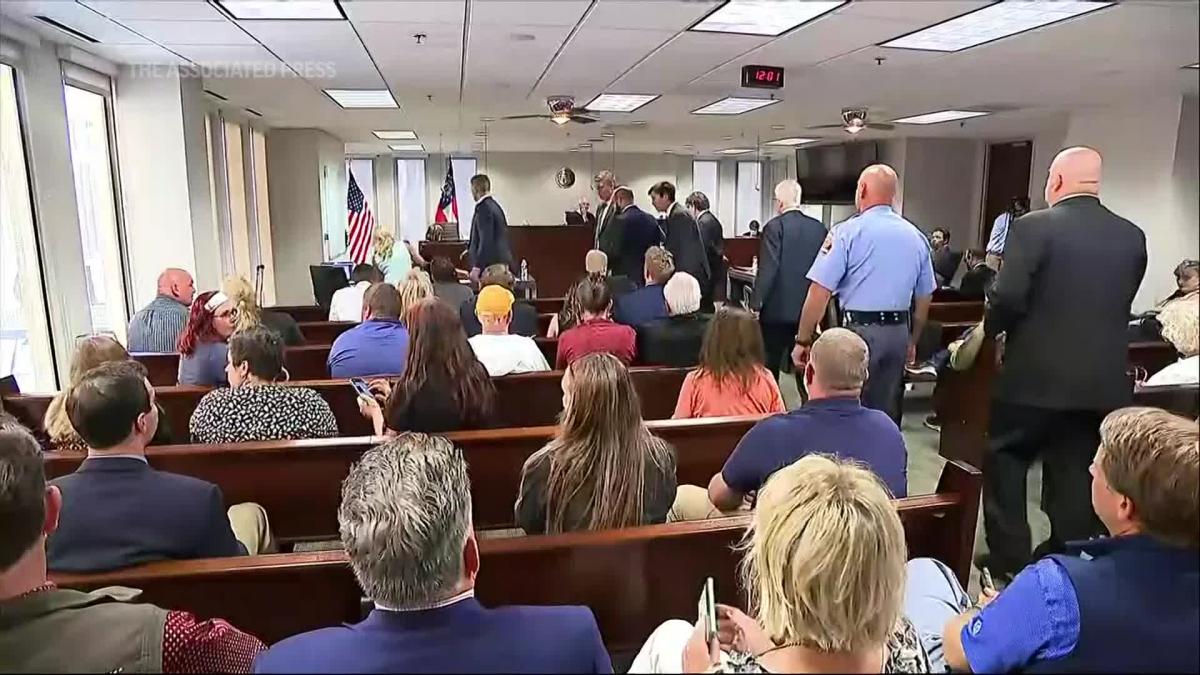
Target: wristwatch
x=803, y=342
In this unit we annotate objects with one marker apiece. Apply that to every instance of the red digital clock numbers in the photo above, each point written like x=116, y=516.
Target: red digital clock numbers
x=762, y=77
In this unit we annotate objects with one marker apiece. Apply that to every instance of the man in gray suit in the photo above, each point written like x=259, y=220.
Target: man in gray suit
x=489, y=229
x=787, y=248
x=1064, y=360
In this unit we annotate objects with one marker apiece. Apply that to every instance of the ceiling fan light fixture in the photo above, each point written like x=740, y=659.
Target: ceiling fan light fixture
x=560, y=119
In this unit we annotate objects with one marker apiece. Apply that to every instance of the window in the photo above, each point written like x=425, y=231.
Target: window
x=92, y=167
x=25, y=350
x=749, y=195
x=464, y=169
x=263, y=254
x=235, y=184
x=412, y=214
x=704, y=179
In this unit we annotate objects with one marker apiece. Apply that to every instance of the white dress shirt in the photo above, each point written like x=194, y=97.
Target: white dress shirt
x=347, y=303
x=1184, y=371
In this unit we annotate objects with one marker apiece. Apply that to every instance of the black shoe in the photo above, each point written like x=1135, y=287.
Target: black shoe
x=932, y=422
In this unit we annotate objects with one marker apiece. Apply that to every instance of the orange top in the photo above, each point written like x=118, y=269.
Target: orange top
x=703, y=396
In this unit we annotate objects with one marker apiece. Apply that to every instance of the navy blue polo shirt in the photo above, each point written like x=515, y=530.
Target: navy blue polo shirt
x=832, y=426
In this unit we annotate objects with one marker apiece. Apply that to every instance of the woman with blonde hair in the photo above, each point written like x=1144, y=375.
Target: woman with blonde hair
x=250, y=315
x=89, y=353
x=603, y=469
x=731, y=378
x=416, y=287
x=393, y=260
x=824, y=569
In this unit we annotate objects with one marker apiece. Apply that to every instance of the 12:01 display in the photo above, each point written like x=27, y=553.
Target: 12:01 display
x=767, y=77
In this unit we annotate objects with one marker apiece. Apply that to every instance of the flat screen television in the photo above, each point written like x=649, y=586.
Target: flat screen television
x=828, y=174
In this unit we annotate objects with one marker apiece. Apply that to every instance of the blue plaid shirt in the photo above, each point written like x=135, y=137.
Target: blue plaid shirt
x=156, y=327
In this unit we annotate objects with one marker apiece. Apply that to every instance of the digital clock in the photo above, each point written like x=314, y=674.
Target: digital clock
x=762, y=77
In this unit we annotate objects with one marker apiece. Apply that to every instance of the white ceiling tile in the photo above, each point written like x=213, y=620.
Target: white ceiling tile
x=250, y=58
x=156, y=10
x=137, y=54
x=409, y=67
x=487, y=14
x=219, y=32
x=597, y=56
x=406, y=11
x=328, y=48
x=73, y=15
x=686, y=57
x=674, y=15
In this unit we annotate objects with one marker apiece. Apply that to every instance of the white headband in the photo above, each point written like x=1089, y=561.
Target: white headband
x=215, y=301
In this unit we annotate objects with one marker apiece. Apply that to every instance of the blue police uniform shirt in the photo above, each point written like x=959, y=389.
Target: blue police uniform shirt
x=875, y=262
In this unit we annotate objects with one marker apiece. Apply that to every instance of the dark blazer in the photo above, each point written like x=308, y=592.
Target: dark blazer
x=945, y=265
x=489, y=236
x=638, y=232
x=674, y=342
x=608, y=238
x=524, y=319
x=641, y=306
x=787, y=248
x=683, y=240
x=713, y=236
x=464, y=637
x=1063, y=295
x=976, y=281
x=119, y=512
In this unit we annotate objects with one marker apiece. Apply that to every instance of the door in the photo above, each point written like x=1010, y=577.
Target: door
x=1007, y=177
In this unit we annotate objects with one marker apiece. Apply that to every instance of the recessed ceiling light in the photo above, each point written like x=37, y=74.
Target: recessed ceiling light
x=274, y=9
x=668, y=152
x=734, y=105
x=727, y=138
x=688, y=145
x=362, y=98
x=572, y=149
x=407, y=147
x=607, y=134
x=792, y=141
x=639, y=123
x=585, y=145
x=777, y=127
x=487, y=119
x=941, y=116
x=396, y=135
x=1194, y=66
x=522, y=37
x=993, y=22
x=735, y=151
x=763, y=17
x=619, y=102
x=482, y=134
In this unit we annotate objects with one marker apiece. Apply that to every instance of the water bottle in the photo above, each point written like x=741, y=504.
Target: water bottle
x=754, y=264
x=524, y=270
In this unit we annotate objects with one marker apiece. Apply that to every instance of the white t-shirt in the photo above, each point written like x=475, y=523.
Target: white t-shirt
x=347, y=303
x=508, y=354
x=1184, y=371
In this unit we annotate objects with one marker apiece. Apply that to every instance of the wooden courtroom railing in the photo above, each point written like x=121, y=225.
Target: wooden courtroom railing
x=526, y=400
x=306, y=362
x=324, y=332
x=963, y=399
x=299, y=482
x=633, y=579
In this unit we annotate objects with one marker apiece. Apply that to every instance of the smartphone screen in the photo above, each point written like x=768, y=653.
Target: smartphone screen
x=360, y=385
x=707, y=609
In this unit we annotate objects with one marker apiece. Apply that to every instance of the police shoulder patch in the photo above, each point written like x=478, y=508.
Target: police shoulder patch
x=828, y=245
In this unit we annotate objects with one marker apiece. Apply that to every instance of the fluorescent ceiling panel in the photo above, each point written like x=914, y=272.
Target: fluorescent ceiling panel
x=994, y=22
x=734, y=105
x=619, y=102
x=792, y=141
x=362, y=98
x=941, y=116
x=735, y=151
x=407, y=147
x=282, y=9
x=396, y=135
x=763, y=17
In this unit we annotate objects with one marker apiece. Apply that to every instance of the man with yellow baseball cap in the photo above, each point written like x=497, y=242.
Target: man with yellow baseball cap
x=499, y=352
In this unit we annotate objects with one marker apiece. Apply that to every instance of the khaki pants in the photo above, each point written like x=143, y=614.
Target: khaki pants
x=691, y=503
x=251, y=527
x=994, y=261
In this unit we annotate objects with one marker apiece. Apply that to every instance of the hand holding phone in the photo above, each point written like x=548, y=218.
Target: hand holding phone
x=707, y=610
x=360, y=386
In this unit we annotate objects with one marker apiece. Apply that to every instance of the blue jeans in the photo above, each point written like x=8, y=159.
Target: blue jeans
x=933, y=596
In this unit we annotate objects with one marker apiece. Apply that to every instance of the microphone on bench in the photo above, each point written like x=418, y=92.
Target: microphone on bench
x=258, y=283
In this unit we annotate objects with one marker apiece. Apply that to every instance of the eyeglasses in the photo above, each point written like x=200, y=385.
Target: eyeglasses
x=230, y=314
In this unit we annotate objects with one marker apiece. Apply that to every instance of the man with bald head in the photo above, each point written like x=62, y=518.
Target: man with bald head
x=1062, y=298
x=156, y=327
x=879, y=265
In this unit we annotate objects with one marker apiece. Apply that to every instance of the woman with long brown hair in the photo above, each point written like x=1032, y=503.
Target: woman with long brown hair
x=443, y=388
x=731, y=379
x=604, y=469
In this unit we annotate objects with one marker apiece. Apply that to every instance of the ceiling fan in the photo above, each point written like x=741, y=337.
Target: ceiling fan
x=562, y=110
x=854, y=120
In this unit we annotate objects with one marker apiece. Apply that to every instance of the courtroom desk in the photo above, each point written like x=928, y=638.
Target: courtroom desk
x=303, y=507
x=633, y=579
x=302, y=313
x=448, y=249
x=554, y=253
x=525, y=400
x=741, y=251
x=963, y=399
x=306, y=362
x=324, y=332
x=741, y=283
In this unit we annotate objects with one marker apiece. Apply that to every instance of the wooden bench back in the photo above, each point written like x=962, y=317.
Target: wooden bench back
x=632, y=579
x=526, y=400
x=306, y=362
x=302, y=313
x=299, y=482
x=957, y=310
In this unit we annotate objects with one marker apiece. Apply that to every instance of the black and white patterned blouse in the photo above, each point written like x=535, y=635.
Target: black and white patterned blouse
x=265, y=412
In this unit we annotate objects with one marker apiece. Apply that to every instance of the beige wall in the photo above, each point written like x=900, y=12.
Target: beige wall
x=943, y=184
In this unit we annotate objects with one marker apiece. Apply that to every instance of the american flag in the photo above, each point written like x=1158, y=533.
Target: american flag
x=361, y=223
x=448, y=200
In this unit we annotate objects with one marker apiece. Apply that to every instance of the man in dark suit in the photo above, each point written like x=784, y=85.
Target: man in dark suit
x=489, y=229
x=1064, y=360
x=787, y=248
x=978, y=278
x=117, y=511
x=405, y=520
x=638, y=231
x=608, y=239
x=945, y=259
x=713, y=236
x=649, y=302
x=681, y=235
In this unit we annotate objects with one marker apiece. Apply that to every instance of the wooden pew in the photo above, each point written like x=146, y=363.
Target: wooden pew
x=956, y=310
x=161, y=369
x=299, y=482
x=543, y=326
x=963, y=399
x=548, y=305
x=324, y=332
x=526, y=400
x=302, y=313
x=306, y=362
x=632, y=579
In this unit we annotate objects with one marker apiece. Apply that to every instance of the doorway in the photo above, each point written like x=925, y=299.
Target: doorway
x=1007, y=177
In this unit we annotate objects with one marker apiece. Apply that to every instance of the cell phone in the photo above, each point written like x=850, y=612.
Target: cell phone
x=360, y=385
x=707, y=610
x=985, y=580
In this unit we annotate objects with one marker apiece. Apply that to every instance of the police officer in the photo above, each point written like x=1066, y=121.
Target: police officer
x=877, y=263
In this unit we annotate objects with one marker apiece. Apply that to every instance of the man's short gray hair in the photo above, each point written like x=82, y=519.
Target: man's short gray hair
x=404, y=519
x=840, y=358
x=787, y=192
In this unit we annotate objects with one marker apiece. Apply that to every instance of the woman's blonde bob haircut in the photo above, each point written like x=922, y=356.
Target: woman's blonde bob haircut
x=825, y=554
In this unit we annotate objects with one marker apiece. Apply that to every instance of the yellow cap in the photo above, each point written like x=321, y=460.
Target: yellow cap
x=494, y=300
